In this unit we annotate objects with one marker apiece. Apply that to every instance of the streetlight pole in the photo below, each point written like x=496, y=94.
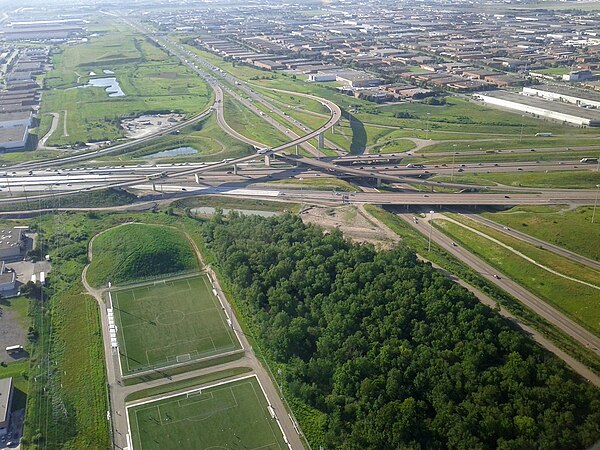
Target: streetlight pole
x=453, y=156
x=522, y=125
x=430, y=230
x=595, y=202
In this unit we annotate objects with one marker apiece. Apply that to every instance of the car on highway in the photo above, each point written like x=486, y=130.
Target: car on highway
x=496, y=276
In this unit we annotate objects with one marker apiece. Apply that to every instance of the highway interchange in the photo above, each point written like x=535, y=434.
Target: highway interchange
x=249, y=176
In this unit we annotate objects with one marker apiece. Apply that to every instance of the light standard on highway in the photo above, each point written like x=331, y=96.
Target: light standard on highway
x=595, y=202
x=453, y=156
x=430, y=229
x=522, y=125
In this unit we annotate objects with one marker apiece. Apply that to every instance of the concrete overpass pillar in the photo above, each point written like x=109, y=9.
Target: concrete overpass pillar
x=378, y=182
x=267, y=161
x=153, y=186
x=321, y=140
x=296, y=149
x=333, y=129
x=235, y=169
x=197, y=178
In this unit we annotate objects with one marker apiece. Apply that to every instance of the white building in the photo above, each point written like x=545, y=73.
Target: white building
x=540, y=108
x=575, y=96
x=11, y=243
x=322, y=76
x=7, y=279
x=6, y=390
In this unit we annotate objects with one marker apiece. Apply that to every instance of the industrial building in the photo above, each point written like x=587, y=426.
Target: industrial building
x=6, y=392
x=322, y=76
x=8, y=279
x=540, y=108
x=15, y=137
x=578, y=97
x=43, y=30
x=11, y=243
x=355, y=78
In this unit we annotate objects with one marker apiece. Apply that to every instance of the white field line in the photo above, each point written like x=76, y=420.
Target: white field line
x=276, y=418
x=135, y=404
x=516, y=252
x=204, y=388
x=223, y=308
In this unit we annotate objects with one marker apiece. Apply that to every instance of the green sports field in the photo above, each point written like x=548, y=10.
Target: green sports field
x=169, y=322
x=227, y=416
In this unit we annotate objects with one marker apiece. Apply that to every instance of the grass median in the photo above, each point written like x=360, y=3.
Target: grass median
x=578, y=301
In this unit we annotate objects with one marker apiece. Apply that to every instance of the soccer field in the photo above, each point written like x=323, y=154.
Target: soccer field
x=161, y=324
x=230, y=415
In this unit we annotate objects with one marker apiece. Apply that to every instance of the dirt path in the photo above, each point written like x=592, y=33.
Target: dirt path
x=65, y=133
x=53, y=127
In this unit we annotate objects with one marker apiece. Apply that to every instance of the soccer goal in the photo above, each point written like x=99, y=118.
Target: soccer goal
x=185, y=357
x=195, y=393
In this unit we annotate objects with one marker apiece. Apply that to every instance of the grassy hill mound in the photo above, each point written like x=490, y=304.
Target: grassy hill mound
x=136, y=251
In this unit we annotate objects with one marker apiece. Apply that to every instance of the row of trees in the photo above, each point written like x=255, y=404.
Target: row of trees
x=396, y=355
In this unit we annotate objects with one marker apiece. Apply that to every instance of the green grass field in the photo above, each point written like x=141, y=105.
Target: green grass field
x=580, y=179
x=151, y=80
x=569, y=228
x=226, y=416
x=578, y=301
x=134, y=251
x=161, y=324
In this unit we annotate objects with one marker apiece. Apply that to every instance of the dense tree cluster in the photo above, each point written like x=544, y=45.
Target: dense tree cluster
x=395, y=354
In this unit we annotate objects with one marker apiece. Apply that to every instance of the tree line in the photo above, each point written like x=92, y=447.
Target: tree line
x=395, y=354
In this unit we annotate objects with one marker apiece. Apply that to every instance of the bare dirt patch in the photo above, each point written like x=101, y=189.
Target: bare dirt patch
x=352, y=222
x=147, y=124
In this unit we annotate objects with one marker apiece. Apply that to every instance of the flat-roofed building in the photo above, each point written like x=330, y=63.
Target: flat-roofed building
x=355, y=78
x=564, y=94
x=8, y=279
x=14, y=137
x=11, y=243
x=6, y=392
x=13, y=119
x=542, y=108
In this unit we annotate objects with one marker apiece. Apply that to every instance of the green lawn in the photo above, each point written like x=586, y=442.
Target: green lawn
x=212, y=144
x=547, y=258
x=568, y=228
x=576, y=300
x=187, y=383
x=504, y=143
x=326, y=184
x=135, y=251
x=250, y=125
x=151, y=80
x=514, y=157
x=227, y=416
x=169, y=322
x=567, y=179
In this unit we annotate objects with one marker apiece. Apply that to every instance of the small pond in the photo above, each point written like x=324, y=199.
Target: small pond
x=111, y=85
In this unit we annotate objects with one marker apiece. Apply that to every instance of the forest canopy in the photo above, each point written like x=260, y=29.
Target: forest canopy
x=395, y=354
